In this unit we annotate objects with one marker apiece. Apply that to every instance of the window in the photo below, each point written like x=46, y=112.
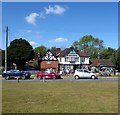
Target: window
x=68, y=59
x=82, y=59
x=86, y=71
x=60, y=59
x=79, y=70
x=48, y=62
x=77, y=59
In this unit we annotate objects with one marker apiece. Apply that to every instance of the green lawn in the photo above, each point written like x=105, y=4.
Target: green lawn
x=60, y=97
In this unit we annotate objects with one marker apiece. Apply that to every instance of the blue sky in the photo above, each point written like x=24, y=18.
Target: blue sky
x=60, y=24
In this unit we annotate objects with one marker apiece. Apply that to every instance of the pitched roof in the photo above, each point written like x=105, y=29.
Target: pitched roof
x=48, y=56
x=83, y=53
x=98, y=62
x=64, y=52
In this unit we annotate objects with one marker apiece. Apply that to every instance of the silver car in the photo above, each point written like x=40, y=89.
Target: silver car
x=84, y=73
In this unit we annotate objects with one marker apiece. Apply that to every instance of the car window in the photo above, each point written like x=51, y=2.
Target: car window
x=86, y=71
x=79, y=70
x=46, y=72
x=11, y=70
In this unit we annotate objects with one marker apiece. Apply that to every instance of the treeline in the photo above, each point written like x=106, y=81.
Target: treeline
x=20, y=51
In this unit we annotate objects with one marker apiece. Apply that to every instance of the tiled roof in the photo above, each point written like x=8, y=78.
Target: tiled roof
x=83, y=53
x=63, y=53
x=98, y=62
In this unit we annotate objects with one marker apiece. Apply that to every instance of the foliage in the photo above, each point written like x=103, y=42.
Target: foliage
x=19, y=52
x=107, y=53
x=42, y=49
x=35, y=63
x=88, y=43
x=2, y=57
x=118, y=59
x=53, y=49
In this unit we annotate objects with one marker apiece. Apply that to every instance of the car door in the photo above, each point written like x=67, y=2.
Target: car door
x=86, y=74
x=47, y=74
x=12, y=73
x=81, y=73
x=18, y=73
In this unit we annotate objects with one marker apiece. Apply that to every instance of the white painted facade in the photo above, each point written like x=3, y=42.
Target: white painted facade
x=72, y=60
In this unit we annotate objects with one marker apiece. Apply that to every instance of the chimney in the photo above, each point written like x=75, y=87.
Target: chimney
x=38, y=53
x=58, y=50
x=76, y=48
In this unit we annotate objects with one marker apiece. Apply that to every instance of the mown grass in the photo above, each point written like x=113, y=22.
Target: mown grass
x=60, y=97
x=0, y=97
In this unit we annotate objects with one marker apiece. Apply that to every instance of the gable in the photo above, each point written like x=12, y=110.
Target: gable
x=72, y=53
x=49, y=56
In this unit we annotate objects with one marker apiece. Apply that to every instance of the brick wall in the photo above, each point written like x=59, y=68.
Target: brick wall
x=51, y=64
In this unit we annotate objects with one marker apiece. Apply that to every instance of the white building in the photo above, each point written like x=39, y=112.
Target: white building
x=71, y=58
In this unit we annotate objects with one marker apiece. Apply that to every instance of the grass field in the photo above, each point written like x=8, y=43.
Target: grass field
x=60, y=97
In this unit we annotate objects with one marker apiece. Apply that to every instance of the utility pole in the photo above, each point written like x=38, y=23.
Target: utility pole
x=6, y=48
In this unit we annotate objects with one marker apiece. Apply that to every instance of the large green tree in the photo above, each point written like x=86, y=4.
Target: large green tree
x=19, y=52
x=88, y=43
x=53, y=49
x=108, y=53
x=2, y=57
x=41, y=49
x=117, y=56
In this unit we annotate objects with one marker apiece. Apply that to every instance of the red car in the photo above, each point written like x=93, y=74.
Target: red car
x=46, y=74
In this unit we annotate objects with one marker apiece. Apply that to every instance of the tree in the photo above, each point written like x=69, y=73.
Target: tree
x=42, y=49
x=118, y=59
x=53, y=49
x=19, y=52
x=91, y=45
x=39, y=51
x=2, y=57
x=108, y=53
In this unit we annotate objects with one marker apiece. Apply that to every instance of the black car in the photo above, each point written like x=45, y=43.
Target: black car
x=16, y=73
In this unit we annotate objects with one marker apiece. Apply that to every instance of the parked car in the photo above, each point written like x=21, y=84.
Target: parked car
x=83, y=73
x=47, y=74
x=105, y=73
x=16, y=73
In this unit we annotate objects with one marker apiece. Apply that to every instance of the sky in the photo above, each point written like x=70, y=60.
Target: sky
x=59, y=24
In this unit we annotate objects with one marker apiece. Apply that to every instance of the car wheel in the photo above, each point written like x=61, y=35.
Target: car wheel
x=39, y=77
x=76, y=77
x=7, y=77
x=23, y=77
x=93, y=77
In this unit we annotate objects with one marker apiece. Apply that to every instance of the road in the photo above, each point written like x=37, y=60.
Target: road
x=107, y=79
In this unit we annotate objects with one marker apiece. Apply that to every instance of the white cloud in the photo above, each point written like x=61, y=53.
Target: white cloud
x=28, y=31
x=55, y=10
x=32, y=43
x=60, y=39
x=31, y=18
